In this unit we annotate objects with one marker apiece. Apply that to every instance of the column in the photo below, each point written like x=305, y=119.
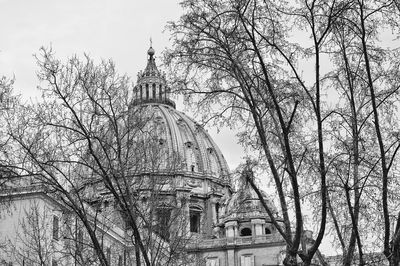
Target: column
x=182, y=200
x=231, y=229
x=213, y=210
x=257, y=225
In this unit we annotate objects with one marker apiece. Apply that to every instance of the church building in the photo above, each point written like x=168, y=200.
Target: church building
x=222, y=225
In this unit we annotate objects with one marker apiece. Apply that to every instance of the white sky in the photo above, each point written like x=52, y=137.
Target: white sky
x=117, y=29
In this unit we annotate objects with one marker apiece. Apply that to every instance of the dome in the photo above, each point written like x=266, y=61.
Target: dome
x=245, y=204
x=178, y=135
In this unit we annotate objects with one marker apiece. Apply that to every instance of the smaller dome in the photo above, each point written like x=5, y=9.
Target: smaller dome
x=245, y=203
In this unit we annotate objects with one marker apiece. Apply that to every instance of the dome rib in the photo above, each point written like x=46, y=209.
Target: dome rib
x=199, y=145
x=176, y=145
x=219, y=156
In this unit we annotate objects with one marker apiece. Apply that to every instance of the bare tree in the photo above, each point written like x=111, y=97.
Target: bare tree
x=252, y=58
x=239, y=44
x=354, y=127
x=8, y=101
x=388, y=146
x=101, y=156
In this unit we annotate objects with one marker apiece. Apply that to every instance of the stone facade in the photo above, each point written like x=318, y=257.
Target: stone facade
x=37, y=229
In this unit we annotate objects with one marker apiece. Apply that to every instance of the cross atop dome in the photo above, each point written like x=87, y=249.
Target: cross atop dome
x=151, y=84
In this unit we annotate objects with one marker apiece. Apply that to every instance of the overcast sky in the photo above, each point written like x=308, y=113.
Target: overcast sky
x=117, y=29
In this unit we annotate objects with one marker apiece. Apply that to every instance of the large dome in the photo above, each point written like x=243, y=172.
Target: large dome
x=181, y=135
x=199, y=155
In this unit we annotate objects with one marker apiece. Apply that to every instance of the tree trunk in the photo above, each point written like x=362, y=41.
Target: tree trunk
x=137, y=254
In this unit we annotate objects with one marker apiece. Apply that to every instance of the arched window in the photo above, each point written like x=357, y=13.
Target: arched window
x=147, y=91
x=267, y=231
x=160, y=93
x=141, y=92
x=245, y=232
x=154, y=90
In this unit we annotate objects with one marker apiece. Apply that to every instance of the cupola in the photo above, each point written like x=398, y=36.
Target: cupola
x=151, y=84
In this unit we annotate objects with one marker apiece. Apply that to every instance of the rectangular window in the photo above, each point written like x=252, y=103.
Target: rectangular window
x=126, y=257
x=194, y=222
x=212, y=262
x=247, y=260
x=109, y=255
x=79, y=241
x=55, y=227
x=163, y=226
